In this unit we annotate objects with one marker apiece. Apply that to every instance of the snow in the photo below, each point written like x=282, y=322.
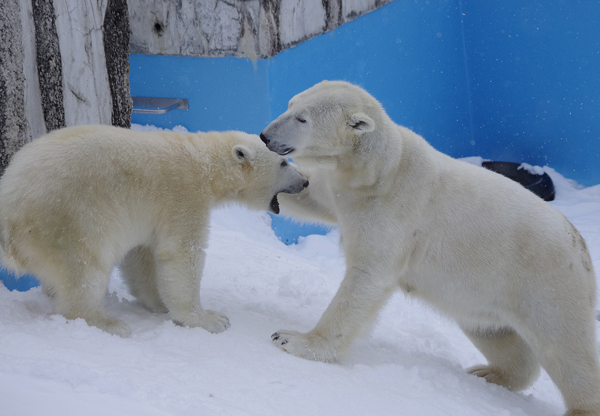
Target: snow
x=411, y=363
x=535, y=170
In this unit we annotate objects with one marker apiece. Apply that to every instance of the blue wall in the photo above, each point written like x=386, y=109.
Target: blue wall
x=408, y=54
x=535, y=82
x=22, y=284
x=223, y=94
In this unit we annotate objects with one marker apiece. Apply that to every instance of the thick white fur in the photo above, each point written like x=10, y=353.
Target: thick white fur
x=512, y=271
x=80, y=200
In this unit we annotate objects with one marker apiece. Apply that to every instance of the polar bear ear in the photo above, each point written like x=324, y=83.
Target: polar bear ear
x=241, y=153
x=361, y=122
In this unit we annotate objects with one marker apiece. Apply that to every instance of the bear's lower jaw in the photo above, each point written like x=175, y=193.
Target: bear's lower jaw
x=280, y=149
x=274, y=205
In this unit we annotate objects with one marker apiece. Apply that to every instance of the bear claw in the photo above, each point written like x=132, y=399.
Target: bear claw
x=275, y=337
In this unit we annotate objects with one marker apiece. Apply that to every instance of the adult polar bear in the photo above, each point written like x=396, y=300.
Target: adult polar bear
x=512, y=271
x=80, y=200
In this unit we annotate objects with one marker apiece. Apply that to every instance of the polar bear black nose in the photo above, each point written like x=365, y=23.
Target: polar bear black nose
x=305, y=184
x=264, y=139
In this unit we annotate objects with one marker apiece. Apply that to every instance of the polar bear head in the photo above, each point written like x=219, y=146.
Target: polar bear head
x=261, y=174
x=325, y=121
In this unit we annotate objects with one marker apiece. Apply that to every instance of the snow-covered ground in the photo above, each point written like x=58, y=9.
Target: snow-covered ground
x=411, y=363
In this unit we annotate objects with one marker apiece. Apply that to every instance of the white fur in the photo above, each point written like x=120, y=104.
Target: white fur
x=512, y=271
x=80, y=200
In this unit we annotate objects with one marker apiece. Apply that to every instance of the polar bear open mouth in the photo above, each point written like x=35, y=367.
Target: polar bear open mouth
x=274, y=205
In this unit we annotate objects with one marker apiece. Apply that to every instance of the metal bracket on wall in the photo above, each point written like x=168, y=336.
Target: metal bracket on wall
x=153, y=105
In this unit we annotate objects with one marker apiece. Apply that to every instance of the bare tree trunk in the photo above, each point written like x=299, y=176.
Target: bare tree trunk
x=49, y=64
x=73, y=71
x=12, y=83
x=116, y=50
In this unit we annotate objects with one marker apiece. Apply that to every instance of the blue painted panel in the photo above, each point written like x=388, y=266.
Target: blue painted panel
x=534, y=70
x=22, y=284
x=288, y=231
x=408, y=54
x=223, y=93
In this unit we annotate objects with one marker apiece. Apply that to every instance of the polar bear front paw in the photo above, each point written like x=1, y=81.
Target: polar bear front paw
x=491, y=375
x=308, y=346
x=212, y=321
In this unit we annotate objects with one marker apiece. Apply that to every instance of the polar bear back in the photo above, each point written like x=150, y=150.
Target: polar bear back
x=101, y=183
x=518, y=245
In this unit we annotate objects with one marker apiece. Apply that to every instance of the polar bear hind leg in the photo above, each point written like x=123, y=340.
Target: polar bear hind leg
x=564, y=350
x=138, y=269
x=511, y=362
x=80, y=293
x=568, y=354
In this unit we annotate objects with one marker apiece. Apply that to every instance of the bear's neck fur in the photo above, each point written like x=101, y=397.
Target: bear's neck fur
x=213, y=162
x=373, y=157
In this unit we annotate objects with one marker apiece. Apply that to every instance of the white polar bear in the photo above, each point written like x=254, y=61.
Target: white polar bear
x=80, y=200
x=512, y=271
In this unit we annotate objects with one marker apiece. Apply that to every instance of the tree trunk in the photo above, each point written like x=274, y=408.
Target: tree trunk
x=73, y=71
x=116, y=50
x=12, y=83
x=49, y=64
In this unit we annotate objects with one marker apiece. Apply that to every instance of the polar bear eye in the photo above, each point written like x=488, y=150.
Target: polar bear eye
x=284, y=163
x=301, y=120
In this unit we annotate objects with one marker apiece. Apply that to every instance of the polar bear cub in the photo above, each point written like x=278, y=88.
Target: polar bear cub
x=80, y=200
x=512, y=271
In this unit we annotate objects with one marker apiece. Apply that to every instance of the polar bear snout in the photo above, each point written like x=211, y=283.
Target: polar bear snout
x=274, y=146
x=296, y=188
x=293, y=182
x=296, y=181
x=264, y=139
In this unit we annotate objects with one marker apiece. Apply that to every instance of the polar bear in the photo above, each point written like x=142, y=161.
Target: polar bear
x=80, y=200
x=510, y=269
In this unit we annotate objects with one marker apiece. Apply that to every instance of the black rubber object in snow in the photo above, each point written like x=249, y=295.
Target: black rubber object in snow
x=541, y=185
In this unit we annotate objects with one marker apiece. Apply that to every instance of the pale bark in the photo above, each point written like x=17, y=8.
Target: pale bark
x=13, y=124
x=62, y=63
x=243, y=28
